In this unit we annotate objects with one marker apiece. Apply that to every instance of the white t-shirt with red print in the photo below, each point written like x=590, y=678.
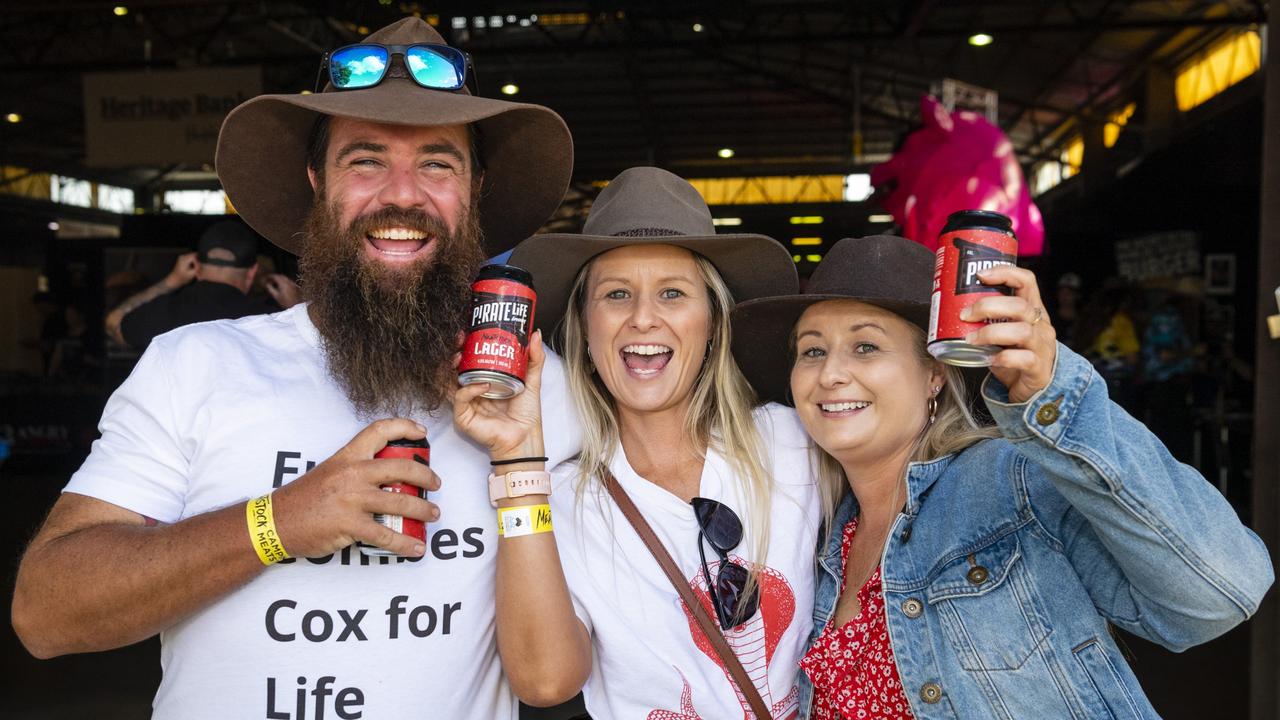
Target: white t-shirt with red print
x=650, y=658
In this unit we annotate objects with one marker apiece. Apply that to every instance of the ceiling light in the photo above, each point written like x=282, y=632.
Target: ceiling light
x=120, y=10
x=697, y=27
x=980, y=40
x=880, y=219
x=13, y=118
x=806, y=219
x=510, y=89
x=806, y=241
x=813, y=258
x=725, y=153
x=726, y=221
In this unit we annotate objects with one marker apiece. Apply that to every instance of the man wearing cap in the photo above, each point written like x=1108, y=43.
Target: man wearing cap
x=211, y=283
x=235, y=469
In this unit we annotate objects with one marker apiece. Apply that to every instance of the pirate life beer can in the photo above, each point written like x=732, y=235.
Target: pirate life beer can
x=496, y=348
x=418, y=451
x=971, y=241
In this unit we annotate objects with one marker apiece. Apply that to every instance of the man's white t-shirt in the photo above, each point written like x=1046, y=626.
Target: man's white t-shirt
x=650, y=658
x=220, y=412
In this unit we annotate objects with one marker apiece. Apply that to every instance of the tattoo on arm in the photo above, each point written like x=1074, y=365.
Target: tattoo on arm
x=133, y=302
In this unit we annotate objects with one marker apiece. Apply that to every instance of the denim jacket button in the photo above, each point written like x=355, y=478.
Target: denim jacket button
x=912, y=608
x=1048, y=413
x=977, y=575
x=931, y=692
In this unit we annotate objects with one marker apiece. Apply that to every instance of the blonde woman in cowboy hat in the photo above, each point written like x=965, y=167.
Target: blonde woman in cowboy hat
x=392, y=185
x=974, y=572
x=644, y=294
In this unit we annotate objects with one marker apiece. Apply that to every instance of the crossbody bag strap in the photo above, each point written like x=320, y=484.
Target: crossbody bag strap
x=709, y=626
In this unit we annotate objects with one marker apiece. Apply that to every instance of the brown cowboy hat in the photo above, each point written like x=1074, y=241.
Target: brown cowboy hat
x=526, y=152
x=882, y=270
x=647, y=206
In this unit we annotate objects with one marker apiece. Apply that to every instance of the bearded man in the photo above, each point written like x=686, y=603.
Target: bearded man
x=236, y=466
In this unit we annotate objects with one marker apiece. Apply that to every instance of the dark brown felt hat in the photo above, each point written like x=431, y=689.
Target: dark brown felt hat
x=882, y=270
x=526, y=151
x=648, y=206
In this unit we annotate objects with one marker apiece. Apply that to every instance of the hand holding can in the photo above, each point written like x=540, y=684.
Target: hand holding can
x=418, y=451
x=1017, y=326
x=332, y=505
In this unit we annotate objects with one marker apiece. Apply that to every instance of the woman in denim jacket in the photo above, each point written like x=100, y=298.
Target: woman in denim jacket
x=984, y=567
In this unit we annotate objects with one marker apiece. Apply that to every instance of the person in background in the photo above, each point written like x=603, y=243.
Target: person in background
x=975, y=572
x=52, y=318
x=1108, y=338
x=211, y=283
x=1067, y=311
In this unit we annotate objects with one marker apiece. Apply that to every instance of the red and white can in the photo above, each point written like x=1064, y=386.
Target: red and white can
x=971, y=241
x=496, y=349
x=418, y=451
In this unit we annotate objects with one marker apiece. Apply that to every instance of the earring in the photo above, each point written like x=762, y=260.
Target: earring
x=933, y=409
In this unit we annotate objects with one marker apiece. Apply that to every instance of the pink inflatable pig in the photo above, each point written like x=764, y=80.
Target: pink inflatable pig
x=957, y=161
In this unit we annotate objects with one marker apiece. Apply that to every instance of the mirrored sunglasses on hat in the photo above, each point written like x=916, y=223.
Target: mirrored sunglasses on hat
x=364, y=65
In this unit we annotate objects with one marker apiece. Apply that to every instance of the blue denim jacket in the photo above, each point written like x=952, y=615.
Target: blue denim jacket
x=1012, y=556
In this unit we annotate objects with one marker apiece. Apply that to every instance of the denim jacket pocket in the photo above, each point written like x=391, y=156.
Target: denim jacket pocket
x=1114, y=699
x=989, y=608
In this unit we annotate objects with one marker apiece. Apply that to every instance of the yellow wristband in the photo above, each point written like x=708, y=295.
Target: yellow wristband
x=262, y=530
x=524, y=520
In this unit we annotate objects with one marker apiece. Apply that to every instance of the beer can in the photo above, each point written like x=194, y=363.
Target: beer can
x=496, y=348
x=971, y=241
x=418, y=451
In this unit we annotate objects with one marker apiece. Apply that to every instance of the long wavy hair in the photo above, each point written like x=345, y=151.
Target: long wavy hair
x=720, y=410
x=953, y=429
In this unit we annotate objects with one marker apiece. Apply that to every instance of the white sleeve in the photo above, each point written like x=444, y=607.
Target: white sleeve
x=561, y=428
x=139, y=463
x=788, y=444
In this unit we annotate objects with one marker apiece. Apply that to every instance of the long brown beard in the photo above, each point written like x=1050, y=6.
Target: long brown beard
x=389, y=334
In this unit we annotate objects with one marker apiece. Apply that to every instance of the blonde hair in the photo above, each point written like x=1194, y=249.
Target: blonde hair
x=720, y=409
x=953, y=429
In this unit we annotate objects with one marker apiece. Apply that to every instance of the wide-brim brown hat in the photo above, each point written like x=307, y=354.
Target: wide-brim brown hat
x=526, y=152
x=882, y=270
x=648, y=206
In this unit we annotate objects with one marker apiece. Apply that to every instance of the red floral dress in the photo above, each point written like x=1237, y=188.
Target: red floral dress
x=852, y=669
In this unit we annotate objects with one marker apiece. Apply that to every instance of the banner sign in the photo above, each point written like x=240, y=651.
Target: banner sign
x=1170, y=254
x=161, y=117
